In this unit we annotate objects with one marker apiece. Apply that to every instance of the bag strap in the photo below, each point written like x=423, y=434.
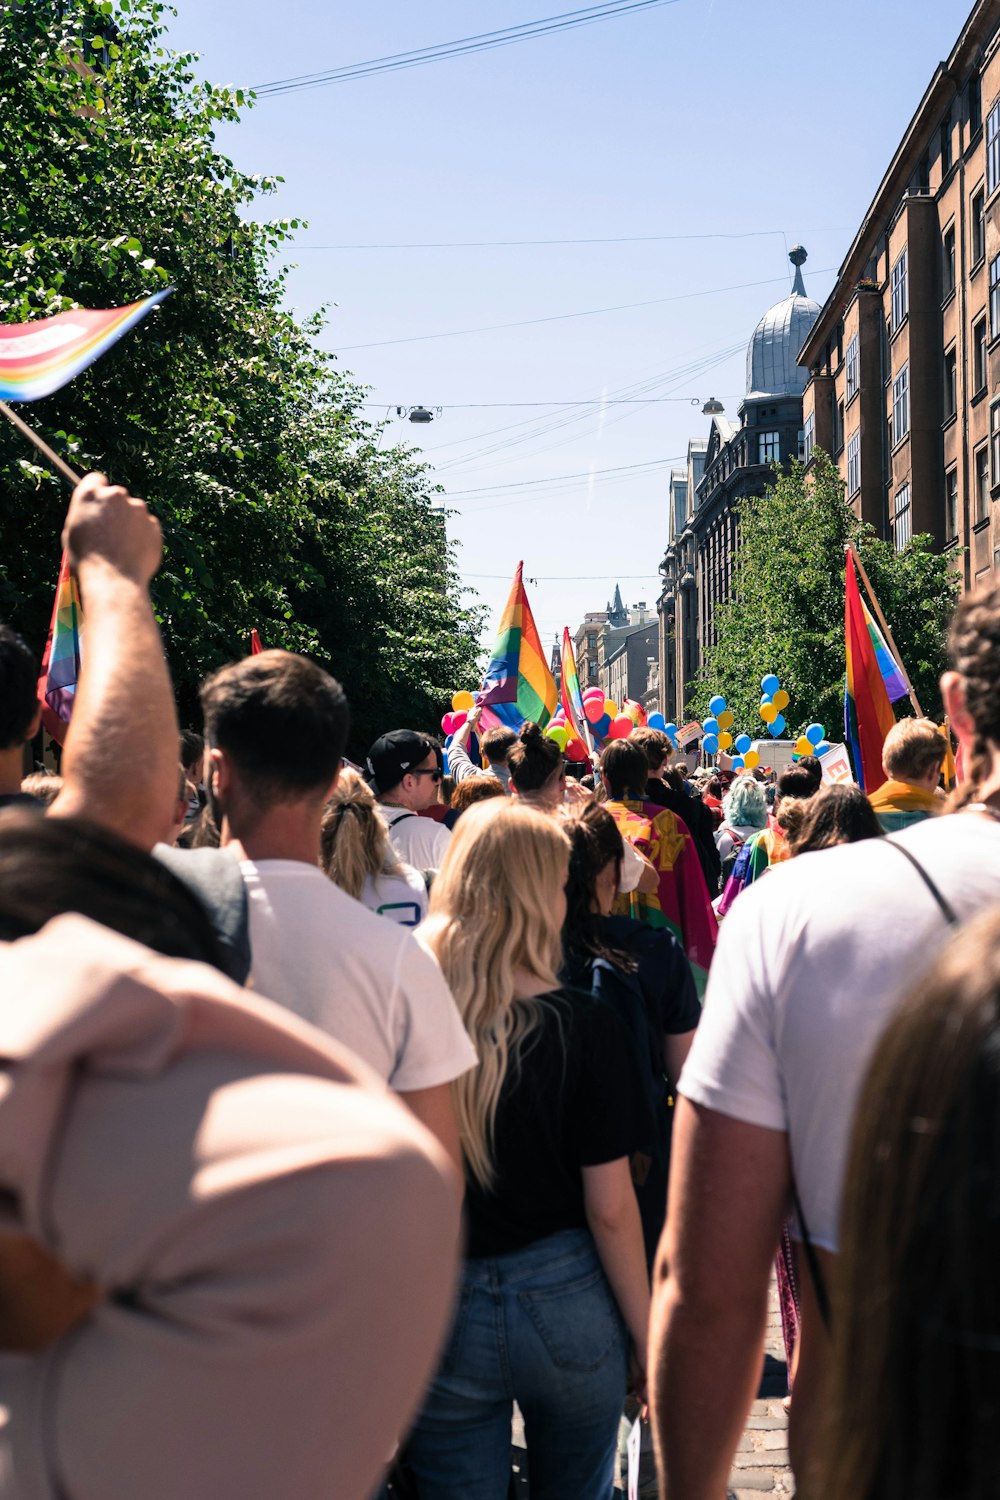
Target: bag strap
x=945, y=907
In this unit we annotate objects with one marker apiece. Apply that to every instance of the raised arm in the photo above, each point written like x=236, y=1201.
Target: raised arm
x=459, y=764
x=120, y=761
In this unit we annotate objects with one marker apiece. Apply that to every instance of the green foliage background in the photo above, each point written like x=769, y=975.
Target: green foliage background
x=280, y=509
x=786, y=614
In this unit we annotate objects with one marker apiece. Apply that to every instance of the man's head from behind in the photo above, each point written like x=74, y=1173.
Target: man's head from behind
x=496, y=744
x=913, y=751
x=276, y=727
x=19, y=706
x=625, y=770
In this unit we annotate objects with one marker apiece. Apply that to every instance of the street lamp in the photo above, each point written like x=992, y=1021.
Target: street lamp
x=712, y=408
x=419, y=414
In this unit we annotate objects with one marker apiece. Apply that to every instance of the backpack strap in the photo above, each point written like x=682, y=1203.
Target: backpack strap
x=945, y=907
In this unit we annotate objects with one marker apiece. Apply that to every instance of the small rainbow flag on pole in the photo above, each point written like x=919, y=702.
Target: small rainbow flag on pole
x=572, y=693
x=61, y=662
x=41, y=357
x=868, y=714
x=518, y=684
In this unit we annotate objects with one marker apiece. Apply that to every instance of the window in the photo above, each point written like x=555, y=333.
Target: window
x=975, y=98
x=769, y=446
x=853, y=363
x=924, y=174
x=948, y=262
x=902, y=526
x=981, y=506
x=978, y=226
x=837, y=426
x=809, y=437
x=979, y=363
x=946, y=144
x=995, y=443
x=995, y=296
x=854, y=463
x=951, y=503
x=900, y=299
x=591, y=641
x=901, y=404
x=993, y=150
x=950, y=385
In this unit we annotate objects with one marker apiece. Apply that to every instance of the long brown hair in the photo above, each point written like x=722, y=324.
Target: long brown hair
x=974, y=652
x=915, y=1389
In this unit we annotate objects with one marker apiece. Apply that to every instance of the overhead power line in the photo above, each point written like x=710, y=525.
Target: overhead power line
x=554, y=479
x=617, y=239
x=484, y=41
x=501, y=405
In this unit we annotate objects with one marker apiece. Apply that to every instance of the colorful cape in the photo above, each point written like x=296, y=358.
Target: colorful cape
x=897, y=804
x=518, y=684
x=681, y=901
x=759, y=853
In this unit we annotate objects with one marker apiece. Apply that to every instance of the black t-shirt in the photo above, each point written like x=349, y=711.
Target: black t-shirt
x=663, y=972
x=577, y=1100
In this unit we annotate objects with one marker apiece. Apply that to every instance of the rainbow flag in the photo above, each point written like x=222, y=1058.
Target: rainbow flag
x=517, y=685
x=572, y=694
x=868, y=715
x=892, y=672
x=61, y=662
x=41, y=357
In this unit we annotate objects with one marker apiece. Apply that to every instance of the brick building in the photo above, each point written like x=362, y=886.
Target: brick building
x=904, y=358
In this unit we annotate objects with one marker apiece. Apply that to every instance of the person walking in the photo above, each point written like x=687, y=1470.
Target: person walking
x=357, y=856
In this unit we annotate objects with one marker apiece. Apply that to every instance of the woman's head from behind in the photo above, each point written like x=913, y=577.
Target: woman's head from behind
x=354, y=839
x=595, y=865
x=836, y=815
x=916, y=1320
x=625, y=770
x=745, y=804
x=536, y=768
x=795, y=787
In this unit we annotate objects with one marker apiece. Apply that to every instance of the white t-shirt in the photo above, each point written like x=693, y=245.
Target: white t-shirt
x=419, y=842
x=356, y=976
x=633, y=866
x=811, y=963
x=402, y=897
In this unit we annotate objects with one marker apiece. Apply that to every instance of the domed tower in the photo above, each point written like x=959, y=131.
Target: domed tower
x=773, y=371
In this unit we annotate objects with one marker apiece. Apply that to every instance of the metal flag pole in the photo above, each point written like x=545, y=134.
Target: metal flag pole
x=57, y=463
x=850, y=547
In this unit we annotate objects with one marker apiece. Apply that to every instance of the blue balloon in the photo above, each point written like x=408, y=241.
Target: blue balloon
x=777, y=727
x=710, y=744
x=602, y=726
x=815, y=734
x=824, y=747
x=717, y=705
x=765, y=698
x=739, y=764
x=656, y=721
x=444, y=763
x=770, y=684
x=743, y=743
x=670, y=729
x=710, y=726
x=448, y=741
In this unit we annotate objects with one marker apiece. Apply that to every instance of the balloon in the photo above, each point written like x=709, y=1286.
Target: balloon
x=635, y=711
x=726, y=719
x=593, y=709
x=444, y=763
x=781, y=699
x=602, y=726
x=770, y=684
x=457, y=720
x=710, y=745
x=768, y=713
x=824, y=747
x=738, y=762
x=803, y=746
x=815, y=734
x=743, y=743
x=751, y=759
x=657, y=721
x=765, y=698
x=717, y=705
x=710, y=726
x=463, y=700
x=446, y=724
x=559, y=733
x=611, y=707
x=594, y=692
x=725, y=739
x=670, y=729
x=777, y=726
x=576, y=750
x=621, y=727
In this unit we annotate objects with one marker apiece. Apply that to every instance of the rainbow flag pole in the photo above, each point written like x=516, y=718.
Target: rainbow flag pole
x=894, y=674
x=60, y=466
x=518, y=684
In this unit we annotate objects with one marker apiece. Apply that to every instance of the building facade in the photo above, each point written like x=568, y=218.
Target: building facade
x=586, y=648
x=904, y=358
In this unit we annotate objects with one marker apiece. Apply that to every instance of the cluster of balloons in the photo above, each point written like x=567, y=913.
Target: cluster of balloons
x=773, y=700
x=657, y=721
x=745, y=759
x=462, y=704
x=813, y=742
x=716, y=728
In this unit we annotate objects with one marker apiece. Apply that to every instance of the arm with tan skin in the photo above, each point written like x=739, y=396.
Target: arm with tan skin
x=675, y=1051
x=119, y=766
x=729, y=1188
x=435, y=1110
x=613, y=1219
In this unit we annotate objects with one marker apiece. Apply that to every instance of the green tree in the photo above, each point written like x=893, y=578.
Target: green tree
x=786, y=613
x=280, y=508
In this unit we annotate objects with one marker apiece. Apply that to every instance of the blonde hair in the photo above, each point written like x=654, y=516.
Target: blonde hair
x=493, y=912
x=912, y=749
x=354, y=836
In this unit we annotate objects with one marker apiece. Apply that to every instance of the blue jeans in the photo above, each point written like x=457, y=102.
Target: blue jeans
x=539, y=1326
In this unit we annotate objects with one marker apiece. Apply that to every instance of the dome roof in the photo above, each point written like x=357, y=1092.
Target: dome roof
x=772, y=368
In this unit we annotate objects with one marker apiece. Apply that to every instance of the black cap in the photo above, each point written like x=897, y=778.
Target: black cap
x=393, y=755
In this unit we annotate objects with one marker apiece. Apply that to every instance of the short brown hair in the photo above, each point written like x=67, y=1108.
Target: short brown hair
x=912, y=749
x=654, y=744
x=281, y=719
x=624, y=766
x=496, y=743
x=475, y=789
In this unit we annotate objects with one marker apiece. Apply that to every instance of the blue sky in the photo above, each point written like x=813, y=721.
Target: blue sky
x=759, y=123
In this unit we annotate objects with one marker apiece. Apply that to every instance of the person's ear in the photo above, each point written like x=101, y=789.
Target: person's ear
x=218, y=772
x=956, y=709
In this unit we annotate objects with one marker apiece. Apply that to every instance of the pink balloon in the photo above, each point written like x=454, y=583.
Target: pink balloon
x=594, y=692
x=594, y=708
x=446, y=724
x=621, y=728
x=457, y=720
x=576, y=750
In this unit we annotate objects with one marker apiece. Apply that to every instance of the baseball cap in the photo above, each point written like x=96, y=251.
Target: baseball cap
x=393, y=755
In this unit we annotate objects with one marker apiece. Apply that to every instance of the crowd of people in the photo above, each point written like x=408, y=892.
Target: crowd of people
x=346, y=1106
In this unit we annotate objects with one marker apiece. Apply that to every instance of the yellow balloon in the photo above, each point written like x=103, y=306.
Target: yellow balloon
x=751, y=759
x=725, y=739
x=804, y=746
x=611, y=707
x=768, y=713
x=726, y=720
x=463, y=700
x=781, y=700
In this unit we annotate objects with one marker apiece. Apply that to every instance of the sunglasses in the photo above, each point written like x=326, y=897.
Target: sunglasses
x=437, y=775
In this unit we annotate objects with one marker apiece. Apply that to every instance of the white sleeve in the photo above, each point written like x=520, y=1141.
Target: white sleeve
x=633, y=865
x=733, y=1065
x=432, y=1045
x=442, y=840
x=459, y=764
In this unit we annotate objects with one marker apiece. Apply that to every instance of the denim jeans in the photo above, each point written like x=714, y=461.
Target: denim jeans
x=538, y=1326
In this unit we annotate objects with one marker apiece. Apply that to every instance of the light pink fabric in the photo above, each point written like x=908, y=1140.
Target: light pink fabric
x=277, y=1238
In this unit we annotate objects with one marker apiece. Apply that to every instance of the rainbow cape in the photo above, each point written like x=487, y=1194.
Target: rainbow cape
x=61, y=661
x=868, y=714
x=572, y=694
x=517, y=685
x=41, y=357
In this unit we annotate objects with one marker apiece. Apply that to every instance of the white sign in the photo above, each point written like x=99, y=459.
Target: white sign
x=836, y=767
x=688, y=733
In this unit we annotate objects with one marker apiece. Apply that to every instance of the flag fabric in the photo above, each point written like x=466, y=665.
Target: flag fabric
x=868, y=715
x=517, y=685
x=948, y=767
x=61, y=661
x=255, y=645
x=42, y=356
x=892, y=672
x=572, y=694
